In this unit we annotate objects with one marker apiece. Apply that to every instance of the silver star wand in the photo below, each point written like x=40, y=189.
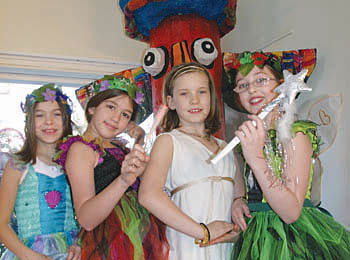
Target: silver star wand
x=292, y=85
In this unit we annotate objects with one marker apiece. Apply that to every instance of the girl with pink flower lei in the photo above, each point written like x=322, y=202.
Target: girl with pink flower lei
x=35, y=187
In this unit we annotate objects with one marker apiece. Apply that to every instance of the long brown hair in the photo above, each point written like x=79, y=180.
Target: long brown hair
x=171, y=120
x=29, y=149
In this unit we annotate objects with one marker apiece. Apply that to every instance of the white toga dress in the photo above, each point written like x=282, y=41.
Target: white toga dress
x=203, y=191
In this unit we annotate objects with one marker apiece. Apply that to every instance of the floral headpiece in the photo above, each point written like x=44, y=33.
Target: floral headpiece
x=110, y=82
x=246, y=61
x=48, y=92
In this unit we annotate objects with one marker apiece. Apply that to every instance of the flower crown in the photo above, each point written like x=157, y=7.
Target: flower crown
x=110, y=82
x=48, y=92
x=246, y=61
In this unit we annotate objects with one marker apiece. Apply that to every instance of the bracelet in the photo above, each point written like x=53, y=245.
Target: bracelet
x=206, y=238
x=243, y=197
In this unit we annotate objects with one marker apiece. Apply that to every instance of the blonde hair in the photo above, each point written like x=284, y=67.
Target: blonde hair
x=171, y=120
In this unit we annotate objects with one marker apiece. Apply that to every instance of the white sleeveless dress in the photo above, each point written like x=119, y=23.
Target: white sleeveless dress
x=203, y=191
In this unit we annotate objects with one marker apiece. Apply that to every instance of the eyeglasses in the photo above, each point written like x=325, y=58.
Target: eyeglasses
x=258, y=82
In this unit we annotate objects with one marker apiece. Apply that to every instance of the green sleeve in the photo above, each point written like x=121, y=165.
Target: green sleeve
x=308, y=128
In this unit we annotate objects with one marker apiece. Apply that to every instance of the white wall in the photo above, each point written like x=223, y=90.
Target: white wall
x=94, y=29
x=78, y=28
x=317, y=24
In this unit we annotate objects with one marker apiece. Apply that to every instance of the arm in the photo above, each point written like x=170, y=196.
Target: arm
x=152, y=197
x=80, y=164
x=8, y=194
x=239, y=185
x=239, y=205
x=286, y=199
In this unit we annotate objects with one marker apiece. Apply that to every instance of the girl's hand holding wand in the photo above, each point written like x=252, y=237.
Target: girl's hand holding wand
x=292, y=85
x=252, y=137
x=134, y=164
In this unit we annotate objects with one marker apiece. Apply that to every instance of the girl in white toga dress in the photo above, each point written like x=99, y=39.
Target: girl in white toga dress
x=196, y=206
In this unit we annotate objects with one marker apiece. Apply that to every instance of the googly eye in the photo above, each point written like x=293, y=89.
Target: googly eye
x=156, y=61
x=204, y=51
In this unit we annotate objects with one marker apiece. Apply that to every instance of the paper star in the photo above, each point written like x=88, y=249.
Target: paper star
x=292, y=85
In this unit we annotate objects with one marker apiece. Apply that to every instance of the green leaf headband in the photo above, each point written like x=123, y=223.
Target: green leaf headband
x=246, y=61
x=48, y=92
x=110, y=82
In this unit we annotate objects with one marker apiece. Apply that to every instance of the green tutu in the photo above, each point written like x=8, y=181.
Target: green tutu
x=315, y=235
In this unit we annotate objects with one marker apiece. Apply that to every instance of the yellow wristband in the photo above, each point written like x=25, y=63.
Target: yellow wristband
x=206, y=238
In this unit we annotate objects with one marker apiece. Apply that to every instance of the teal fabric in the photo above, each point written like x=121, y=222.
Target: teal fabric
x=45, y=216
x=253, y=207
x=34, y=216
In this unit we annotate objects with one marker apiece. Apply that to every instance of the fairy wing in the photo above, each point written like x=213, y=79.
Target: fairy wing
x=11, y=140
x=326, y=113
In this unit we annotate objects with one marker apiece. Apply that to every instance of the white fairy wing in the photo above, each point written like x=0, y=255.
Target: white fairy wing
x=11, y=140
x=326, y=113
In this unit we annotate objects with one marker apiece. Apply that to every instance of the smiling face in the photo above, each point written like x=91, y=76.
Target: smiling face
x=110, y=117
x=48, y=122
x=256, y=96
x=191, y=98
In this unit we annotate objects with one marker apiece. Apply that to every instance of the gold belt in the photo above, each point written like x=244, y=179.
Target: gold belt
x=207, y=179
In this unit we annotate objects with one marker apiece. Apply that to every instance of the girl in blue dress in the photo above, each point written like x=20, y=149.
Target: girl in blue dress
x=35, y=188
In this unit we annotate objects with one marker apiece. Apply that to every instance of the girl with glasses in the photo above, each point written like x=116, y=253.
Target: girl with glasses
x=272, y=201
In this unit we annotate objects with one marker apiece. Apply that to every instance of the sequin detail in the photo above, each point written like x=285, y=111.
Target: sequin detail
x=53, y=198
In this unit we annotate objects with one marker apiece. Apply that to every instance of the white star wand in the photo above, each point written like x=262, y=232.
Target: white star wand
x=288, y=90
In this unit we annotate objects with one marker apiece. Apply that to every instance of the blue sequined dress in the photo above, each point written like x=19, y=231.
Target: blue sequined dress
x=44, y=212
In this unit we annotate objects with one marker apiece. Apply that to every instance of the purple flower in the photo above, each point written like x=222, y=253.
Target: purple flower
x=49, y=95
x=104, y=85
x=65, y=146
x=139, y=98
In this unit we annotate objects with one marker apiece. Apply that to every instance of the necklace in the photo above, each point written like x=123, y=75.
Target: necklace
x=205, y=137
